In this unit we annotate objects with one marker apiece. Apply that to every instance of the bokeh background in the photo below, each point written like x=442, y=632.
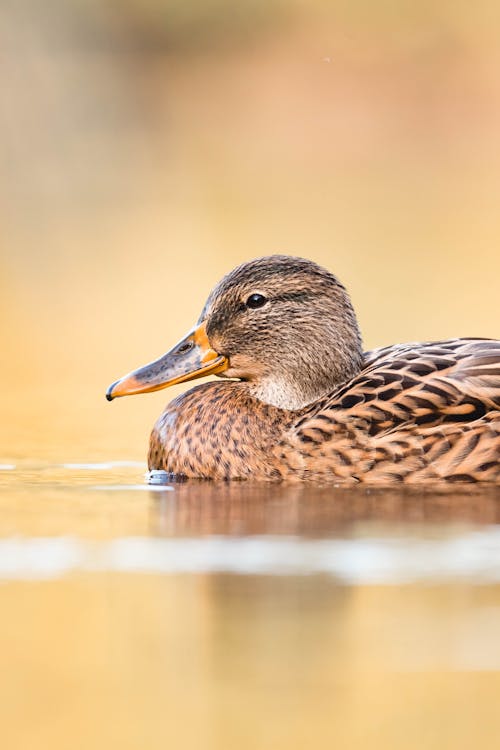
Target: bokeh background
x=148, y=147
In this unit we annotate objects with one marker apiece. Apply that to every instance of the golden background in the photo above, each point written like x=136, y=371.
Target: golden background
x=149, y=147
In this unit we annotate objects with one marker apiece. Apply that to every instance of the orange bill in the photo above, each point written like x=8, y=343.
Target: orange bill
x=191, y=358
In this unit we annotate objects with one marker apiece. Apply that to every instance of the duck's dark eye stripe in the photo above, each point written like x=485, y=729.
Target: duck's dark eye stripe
x=258, y=300
x=294, y=296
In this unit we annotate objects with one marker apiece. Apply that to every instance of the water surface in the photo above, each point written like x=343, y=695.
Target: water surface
x=204, y=615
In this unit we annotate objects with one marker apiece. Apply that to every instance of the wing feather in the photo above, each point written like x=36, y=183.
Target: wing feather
x=415, y=412
x=422, y=384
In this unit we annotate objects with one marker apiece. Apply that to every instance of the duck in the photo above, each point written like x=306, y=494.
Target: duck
x=297, y=399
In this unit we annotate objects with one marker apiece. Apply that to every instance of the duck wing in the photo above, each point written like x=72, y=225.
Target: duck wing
x=433, y=408
x=422, y=384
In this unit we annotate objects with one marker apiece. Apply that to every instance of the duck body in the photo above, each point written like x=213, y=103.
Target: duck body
x=305, y=402
x=415, y=413
x=219, y=431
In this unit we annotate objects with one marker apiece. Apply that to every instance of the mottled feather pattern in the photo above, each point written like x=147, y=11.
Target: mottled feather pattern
x=309, y=405
x=218, y=431
x=415, y=412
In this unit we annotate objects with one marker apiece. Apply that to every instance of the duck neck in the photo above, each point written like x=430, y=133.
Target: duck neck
x=285, y=391
x=276, y=392
x=305, y=368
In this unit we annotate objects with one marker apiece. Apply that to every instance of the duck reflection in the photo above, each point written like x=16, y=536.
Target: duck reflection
x=241, y=509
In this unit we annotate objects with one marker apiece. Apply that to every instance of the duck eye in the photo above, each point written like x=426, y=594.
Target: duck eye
x=256, y=300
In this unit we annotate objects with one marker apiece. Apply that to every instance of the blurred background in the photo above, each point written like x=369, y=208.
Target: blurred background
x=148, y=147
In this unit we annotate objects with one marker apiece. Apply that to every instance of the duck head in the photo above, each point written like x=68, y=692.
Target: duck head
x=284, y=325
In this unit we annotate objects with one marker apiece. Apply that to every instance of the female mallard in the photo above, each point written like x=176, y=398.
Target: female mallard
x=307, y=402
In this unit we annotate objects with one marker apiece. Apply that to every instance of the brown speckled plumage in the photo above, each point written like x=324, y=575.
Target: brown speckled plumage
x=218, y=431
x=309, y=405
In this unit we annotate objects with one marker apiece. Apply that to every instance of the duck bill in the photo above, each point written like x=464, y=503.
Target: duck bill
x=191, y=358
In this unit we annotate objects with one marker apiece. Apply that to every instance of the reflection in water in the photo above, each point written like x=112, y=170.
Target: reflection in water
x=195, y=508
x=204, y=615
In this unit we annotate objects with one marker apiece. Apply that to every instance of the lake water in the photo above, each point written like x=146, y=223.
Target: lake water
x=222, y=616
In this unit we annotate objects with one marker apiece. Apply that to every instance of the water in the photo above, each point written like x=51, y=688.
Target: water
x=201, y=615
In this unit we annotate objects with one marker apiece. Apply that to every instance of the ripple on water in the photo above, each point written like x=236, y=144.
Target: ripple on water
x=132, y=487
x=104, y=465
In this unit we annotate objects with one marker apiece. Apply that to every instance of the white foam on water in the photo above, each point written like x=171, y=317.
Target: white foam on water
x=104, y=465
x=473, y=556
x=132, y=487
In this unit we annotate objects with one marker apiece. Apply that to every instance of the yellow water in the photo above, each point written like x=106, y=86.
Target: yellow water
x=222, y=616
x=148, y=148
